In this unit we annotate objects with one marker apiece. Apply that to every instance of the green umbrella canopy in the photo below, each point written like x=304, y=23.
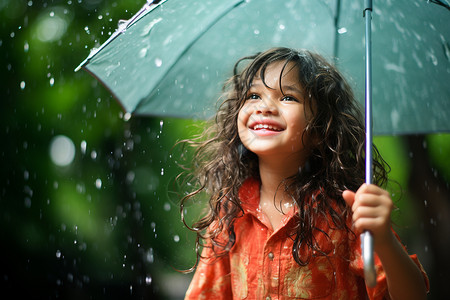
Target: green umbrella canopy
x=173, y=60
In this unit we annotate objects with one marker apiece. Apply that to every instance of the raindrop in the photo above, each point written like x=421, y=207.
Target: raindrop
x=148, y=280
x=282, y=27
x=51, y=29
x=126, y=116
x=26, y=47
x=162, y=171
x=166, y=206
x=130, y=177
x=58, y=254
x=94, y=154
x=98, y=183
x=22, y=85
x=158, y=62
x=149, y=256
x=80, y=188
x=62, y=150
x=83, y=147
x=27, y=202
x=256, y=31
x=176, y=238
x=30, y=3
x=52, y=81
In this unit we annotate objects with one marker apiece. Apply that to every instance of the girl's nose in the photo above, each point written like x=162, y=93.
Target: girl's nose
x=266, y=106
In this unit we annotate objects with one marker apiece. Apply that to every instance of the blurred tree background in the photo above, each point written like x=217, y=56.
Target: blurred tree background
x=86, y=209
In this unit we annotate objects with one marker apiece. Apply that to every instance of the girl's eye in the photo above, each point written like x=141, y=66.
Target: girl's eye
x=289, y=98
x=253, y=97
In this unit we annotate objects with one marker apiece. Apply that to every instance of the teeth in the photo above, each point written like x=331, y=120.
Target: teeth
x=266, y=126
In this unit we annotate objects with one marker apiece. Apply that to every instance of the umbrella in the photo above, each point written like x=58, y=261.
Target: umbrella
x=170, y=59
x=181, y=42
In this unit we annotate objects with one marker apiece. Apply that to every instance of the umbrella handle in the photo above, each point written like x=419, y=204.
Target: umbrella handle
x=370, y=274
x=366, y=237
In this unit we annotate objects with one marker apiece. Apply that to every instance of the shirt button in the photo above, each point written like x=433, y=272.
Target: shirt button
x=270, y=255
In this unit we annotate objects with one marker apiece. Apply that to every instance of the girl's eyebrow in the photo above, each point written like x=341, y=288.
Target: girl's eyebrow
x=292, y=88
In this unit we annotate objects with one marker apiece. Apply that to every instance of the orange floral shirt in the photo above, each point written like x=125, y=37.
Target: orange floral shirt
x=260, y=264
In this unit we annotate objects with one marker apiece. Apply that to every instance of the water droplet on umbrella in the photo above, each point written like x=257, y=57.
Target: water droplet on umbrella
x=143, y=52
x=148, y=280
x=26, y=47
x=158, y=62
x=432, y=57
x=147, y=29
x=176, y=238
x=342, y=30
x=22, y=85
x=52, y=81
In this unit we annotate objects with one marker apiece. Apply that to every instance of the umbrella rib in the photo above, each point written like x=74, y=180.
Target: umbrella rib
x=141, y=103
x=336, y=28
x=440, y=2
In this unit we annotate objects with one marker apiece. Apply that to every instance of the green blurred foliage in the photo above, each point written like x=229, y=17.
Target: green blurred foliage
x=104, y=225
x=107, y=225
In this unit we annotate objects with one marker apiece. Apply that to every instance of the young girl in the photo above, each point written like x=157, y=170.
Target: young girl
x=280, y=164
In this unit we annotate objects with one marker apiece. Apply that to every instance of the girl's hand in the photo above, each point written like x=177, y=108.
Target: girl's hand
x=372, y=207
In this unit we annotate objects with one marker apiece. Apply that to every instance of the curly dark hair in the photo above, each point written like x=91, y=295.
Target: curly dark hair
x=221, y=163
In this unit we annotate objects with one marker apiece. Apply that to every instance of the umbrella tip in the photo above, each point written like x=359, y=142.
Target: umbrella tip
x=81, y=65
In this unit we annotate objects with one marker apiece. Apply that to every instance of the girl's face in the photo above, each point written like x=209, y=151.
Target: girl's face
x=272, y=120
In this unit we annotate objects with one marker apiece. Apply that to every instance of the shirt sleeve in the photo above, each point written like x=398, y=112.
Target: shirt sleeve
x=380, y=291
x=212, y=278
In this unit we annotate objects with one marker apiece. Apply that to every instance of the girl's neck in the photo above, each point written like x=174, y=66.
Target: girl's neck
x=272, y=173
x=274, y=200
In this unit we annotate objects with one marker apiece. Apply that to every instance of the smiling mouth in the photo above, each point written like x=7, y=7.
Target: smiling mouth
x=266, y=127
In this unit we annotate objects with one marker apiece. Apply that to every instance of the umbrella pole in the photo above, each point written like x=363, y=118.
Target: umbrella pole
x=366, y=237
